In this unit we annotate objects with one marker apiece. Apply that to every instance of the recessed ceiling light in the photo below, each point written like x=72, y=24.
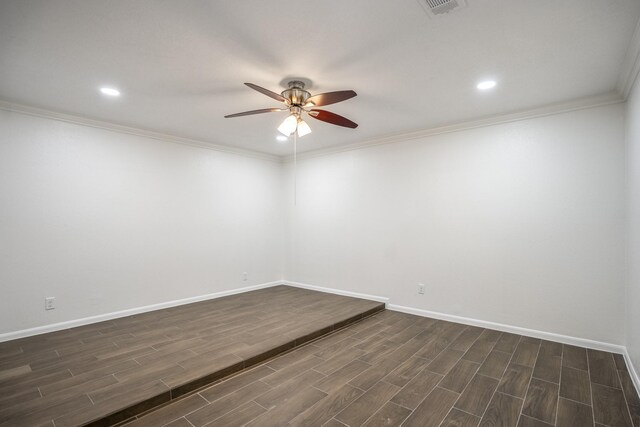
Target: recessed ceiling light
x=487, y=84
x=109, y=91
x=281, y=138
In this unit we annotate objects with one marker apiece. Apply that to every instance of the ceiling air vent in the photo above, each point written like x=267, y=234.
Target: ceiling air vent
x=440, y=7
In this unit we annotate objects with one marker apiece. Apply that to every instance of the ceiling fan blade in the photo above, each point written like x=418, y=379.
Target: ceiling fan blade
x=334, y=119
x=330, y=98
x=249, y=113
x=267, y=92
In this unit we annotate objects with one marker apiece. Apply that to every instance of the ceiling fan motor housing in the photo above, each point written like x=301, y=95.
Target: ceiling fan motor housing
x=296, y=94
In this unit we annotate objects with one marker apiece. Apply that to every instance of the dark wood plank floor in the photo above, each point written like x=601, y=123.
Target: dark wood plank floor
x=395, y=369
x=117, y=369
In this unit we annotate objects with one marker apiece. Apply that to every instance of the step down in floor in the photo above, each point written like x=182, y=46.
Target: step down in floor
x=103, y=374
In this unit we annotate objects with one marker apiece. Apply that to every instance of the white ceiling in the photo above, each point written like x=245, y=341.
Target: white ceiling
x=180, y=64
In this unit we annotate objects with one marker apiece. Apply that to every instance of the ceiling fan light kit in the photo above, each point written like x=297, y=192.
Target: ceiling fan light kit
x=303, y=128
x=298, y=101
x=289, y=125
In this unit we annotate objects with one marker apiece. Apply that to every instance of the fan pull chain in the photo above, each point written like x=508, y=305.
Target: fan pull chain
x=295, y=168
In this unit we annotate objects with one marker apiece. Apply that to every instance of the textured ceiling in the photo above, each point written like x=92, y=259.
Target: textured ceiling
x=180, y=64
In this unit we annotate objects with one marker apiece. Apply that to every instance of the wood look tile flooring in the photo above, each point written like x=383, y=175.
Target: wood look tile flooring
x=394, y=369
x=107, y=372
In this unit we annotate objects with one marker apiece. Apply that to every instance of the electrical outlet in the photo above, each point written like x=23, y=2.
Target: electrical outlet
x=421, y=288
x=49, y=303
x=245, y=276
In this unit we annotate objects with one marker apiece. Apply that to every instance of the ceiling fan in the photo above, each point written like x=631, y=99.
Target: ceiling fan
x=299, y=101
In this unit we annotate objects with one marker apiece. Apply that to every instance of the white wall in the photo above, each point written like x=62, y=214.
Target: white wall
x=633, y=216
x=106, y=221
x=519, y=223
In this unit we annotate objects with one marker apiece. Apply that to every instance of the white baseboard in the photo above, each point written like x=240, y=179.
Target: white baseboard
x=335, y=291
x=597, y=345
x=129, y=312
x=565, y=339
x=117, y=314
x=632, y=370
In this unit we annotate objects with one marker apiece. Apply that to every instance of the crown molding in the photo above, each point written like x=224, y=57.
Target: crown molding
x=159, y=136
x=630, y=65
x=548, y=110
